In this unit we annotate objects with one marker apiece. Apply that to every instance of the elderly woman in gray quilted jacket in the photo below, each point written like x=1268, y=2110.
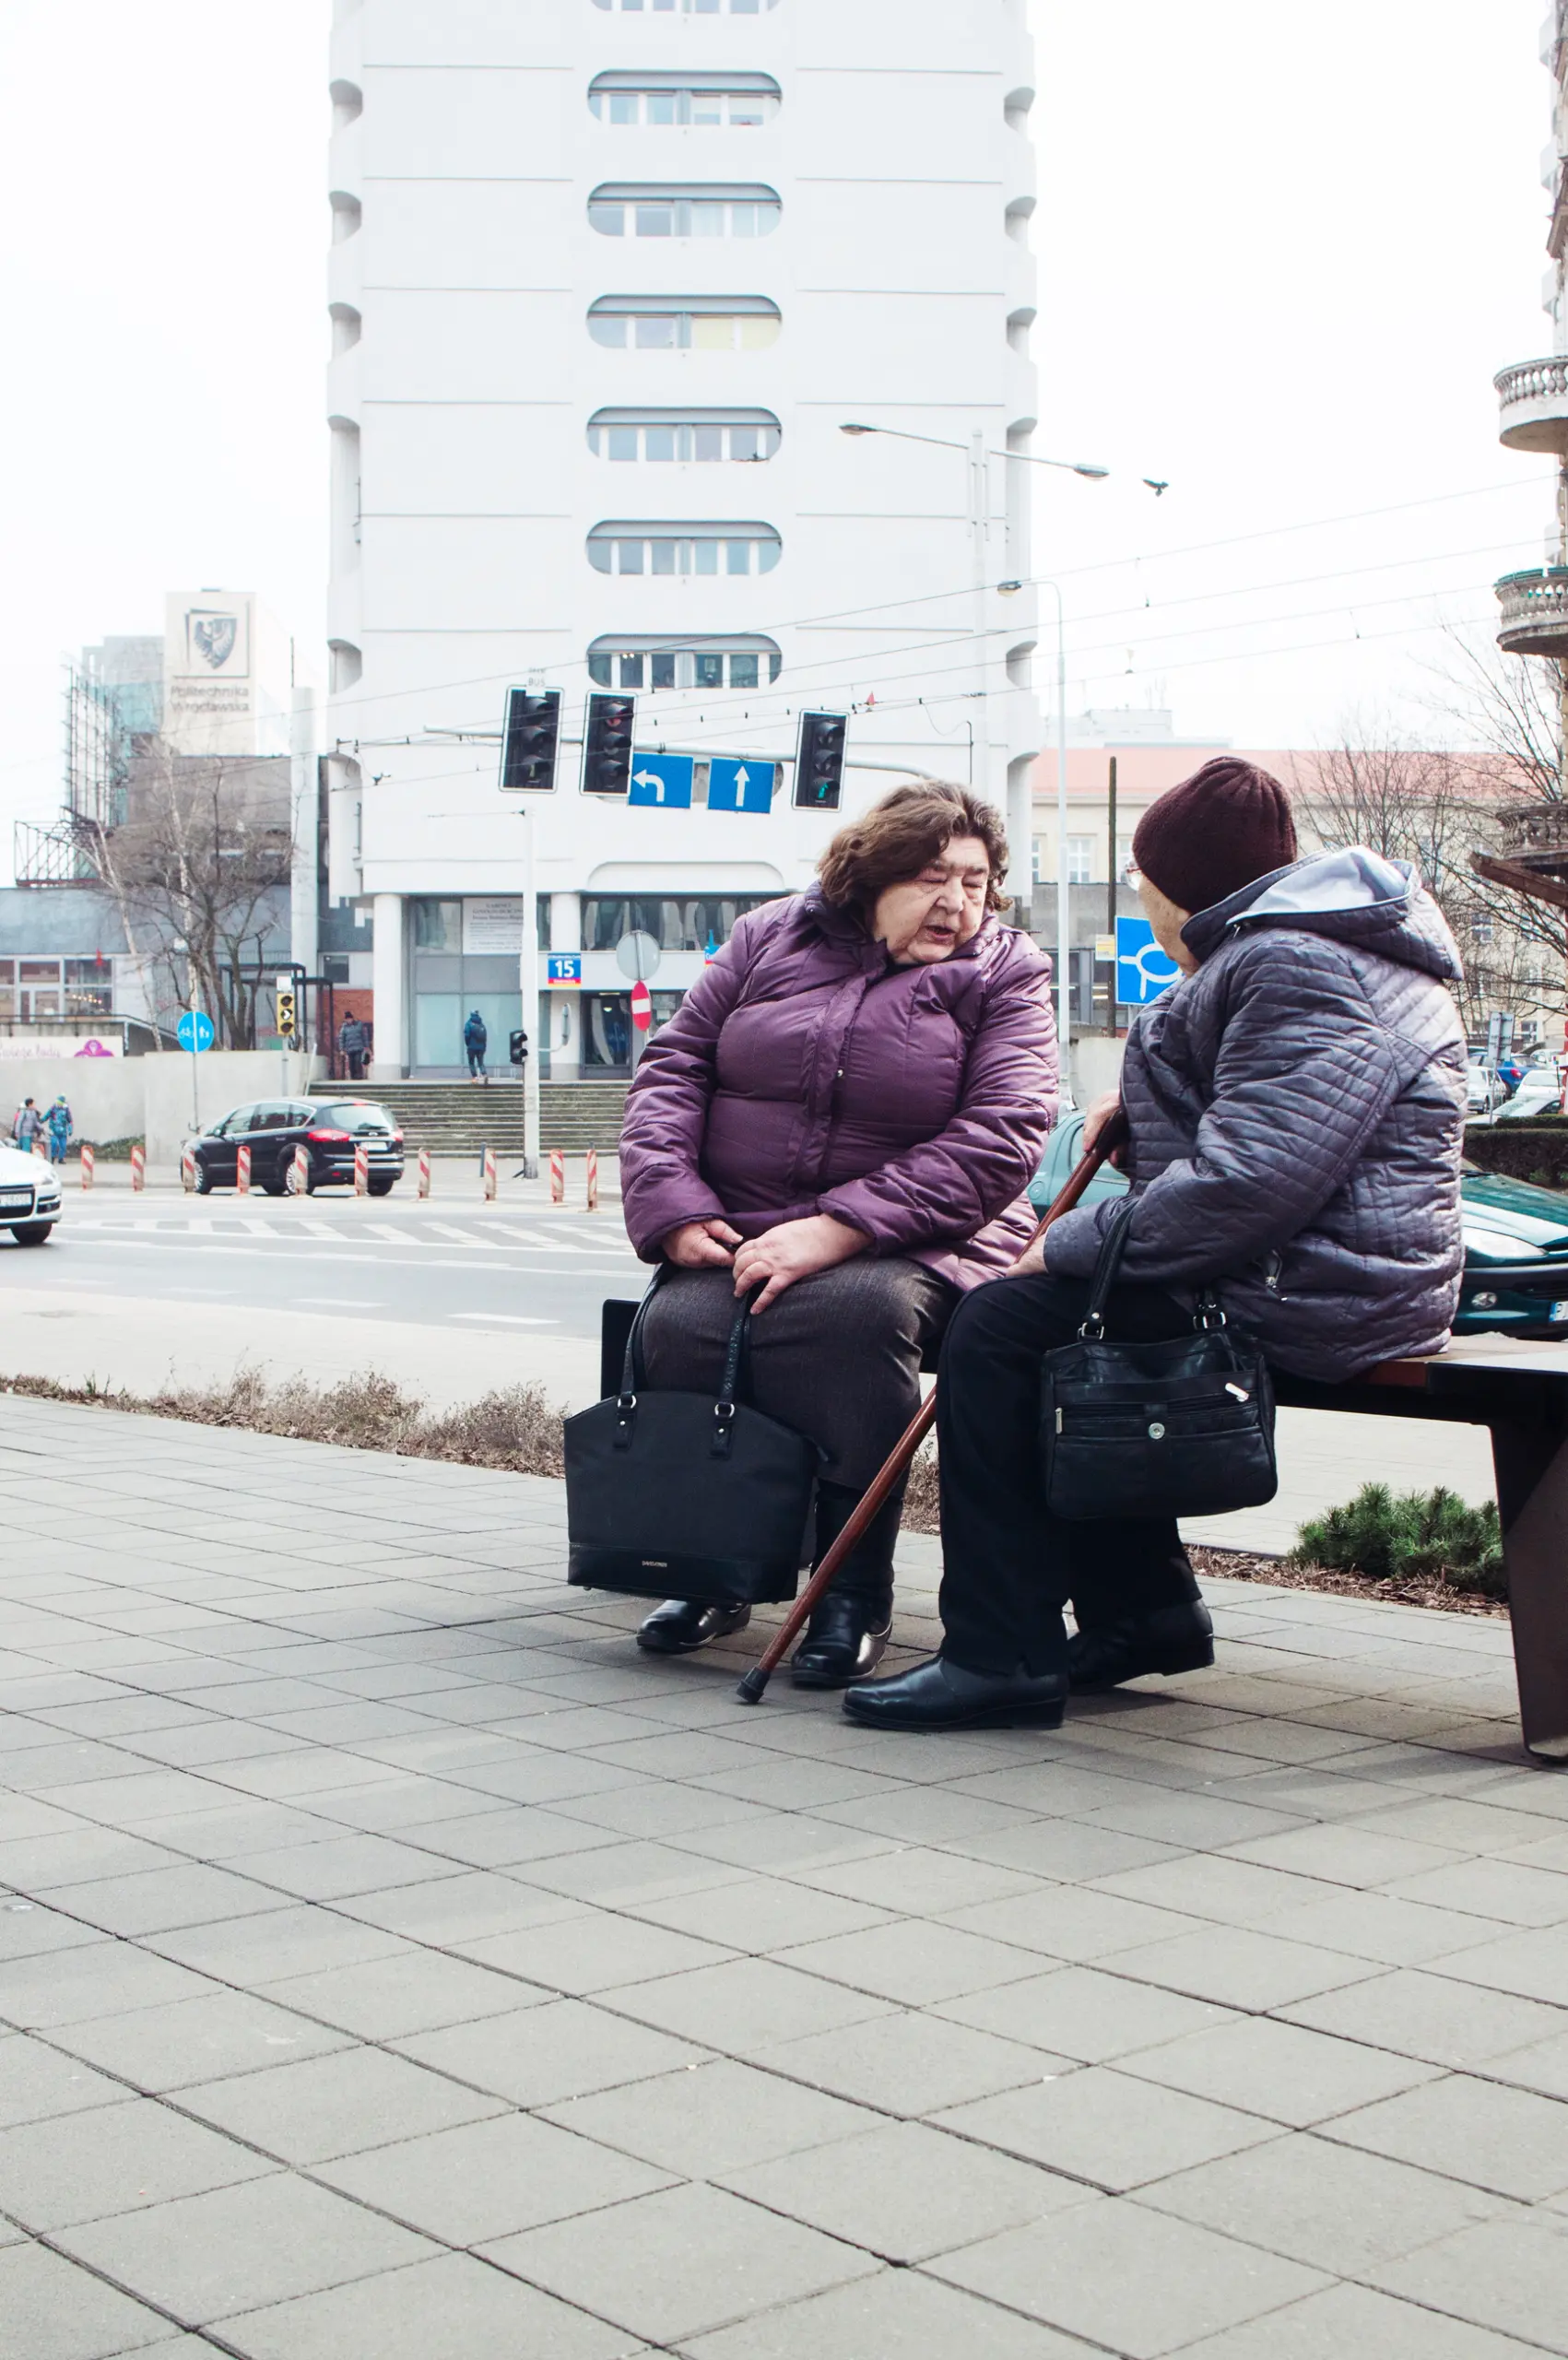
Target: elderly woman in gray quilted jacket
x=1295, y=1106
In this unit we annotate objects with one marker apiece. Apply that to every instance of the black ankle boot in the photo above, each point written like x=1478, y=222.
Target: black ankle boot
x=681, y=1626
x=1171, y=1639
x=847, y=1634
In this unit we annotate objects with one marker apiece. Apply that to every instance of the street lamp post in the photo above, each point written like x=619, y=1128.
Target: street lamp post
x=978, y=520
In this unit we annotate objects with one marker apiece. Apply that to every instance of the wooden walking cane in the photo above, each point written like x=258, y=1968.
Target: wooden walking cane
x=752, y=1689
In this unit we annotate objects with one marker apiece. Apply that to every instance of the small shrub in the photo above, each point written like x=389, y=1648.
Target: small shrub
x=1409, y=1536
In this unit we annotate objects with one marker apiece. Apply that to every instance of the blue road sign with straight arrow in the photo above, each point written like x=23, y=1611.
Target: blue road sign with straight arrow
x=665, y=779
x=740, y=783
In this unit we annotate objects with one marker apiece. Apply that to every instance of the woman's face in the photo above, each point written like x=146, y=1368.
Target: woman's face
x=925, y=918
x=1167, y=921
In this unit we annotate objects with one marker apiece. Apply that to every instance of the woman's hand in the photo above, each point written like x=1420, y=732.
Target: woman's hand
x=1097, y=1118
x=700, y=1245
x=794, y=1250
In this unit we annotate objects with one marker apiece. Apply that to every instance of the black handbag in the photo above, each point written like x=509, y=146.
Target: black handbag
x=686, y=1495
x=1181, y=1428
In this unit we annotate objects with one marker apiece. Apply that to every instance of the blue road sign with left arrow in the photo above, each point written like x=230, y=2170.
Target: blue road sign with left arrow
x=194, y=1029
x=1143, y=971
x=664, y=779
x=740, y=785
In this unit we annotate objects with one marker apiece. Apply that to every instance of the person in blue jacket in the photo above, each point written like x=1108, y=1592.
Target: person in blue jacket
x=60, y=1128
x=475, y=1040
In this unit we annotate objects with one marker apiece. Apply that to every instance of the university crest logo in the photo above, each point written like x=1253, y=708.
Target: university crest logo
x=214, y=636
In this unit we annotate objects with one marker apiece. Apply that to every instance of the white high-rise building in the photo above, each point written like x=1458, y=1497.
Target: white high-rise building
x=608, y=277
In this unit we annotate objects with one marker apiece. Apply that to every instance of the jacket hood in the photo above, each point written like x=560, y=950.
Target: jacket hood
x=1352, y=896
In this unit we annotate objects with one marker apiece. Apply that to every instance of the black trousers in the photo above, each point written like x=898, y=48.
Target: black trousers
x=1008, y=1566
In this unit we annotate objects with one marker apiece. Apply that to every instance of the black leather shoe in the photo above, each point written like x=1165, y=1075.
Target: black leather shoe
x=845, y=1640
x=1173, y=1639
x=680, y=1625
x=942, y=1695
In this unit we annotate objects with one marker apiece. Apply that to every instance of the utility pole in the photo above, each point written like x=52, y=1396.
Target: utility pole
x=1110, y=890
x=528, y=994
x=979, y=762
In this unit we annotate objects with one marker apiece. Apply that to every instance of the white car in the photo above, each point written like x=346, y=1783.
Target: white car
x=30, y=1196
x=1539, y=1092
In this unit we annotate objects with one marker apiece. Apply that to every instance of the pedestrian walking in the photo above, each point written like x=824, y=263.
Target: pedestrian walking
x=475, y=1041
x=1295, y=1105
x=354, y=1041
x=26, y=1125
x=59, y=1129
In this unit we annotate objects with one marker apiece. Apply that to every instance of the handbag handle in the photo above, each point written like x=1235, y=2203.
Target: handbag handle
x=1210, y=1312
x=732, y=1384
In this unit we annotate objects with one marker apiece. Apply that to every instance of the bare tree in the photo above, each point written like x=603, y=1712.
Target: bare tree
x=204, y=847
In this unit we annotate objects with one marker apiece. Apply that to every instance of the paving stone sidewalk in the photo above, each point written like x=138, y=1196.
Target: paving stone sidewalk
x=394, y=1966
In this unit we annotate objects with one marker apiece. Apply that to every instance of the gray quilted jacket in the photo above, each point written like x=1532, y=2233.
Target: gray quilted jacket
x=1297, y=1111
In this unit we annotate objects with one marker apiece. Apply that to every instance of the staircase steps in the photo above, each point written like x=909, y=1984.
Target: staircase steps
x=460, y=1117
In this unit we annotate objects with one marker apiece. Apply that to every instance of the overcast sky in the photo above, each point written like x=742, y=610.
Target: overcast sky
x=1282, y=252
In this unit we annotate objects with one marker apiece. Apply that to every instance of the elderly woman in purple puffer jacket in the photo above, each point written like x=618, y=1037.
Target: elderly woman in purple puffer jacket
x=844, y=1114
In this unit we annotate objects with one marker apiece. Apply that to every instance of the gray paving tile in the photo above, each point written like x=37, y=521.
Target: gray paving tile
x=1428, y=2015
x=915, y=1881
x=36, y=1863
x=1104, y=2127
x=594, y=1949
x=1532, y=1963
x=710, y=2117
x=454, y=2305
x=289, y=1940
x=1217, y=1885
x=758, y=1914
x=204, y=2257
x=1278, y=2070
x=737, y=2007
x=194, y=2040
x=634, y=2263
x=620, y=1876
x=1507, y=2275
x=1083, y=2012
x=54, y=2310
x=914, y=1962
x=562, y=2048
x=37, y=2083
x=1323, y=2204
x=1380, y=1927
x=908, y=2064
x=905, y=2190
x=413, y=1991
x=1074, y=1923
x=1239, y=1966
x=114, y=2159
x=1344, y=2319
x=488, y=2180
x=27, y=1927
x=1495, y=1888
x=157, y=1899
x=1511, y=2141
x=1344, y=1855
x=101, y=1978
x=1188, y=2283
x=1070, y=1851
x=898, y=2315
x=460, y=1907
x=324, y=2107
x=1543, y=2066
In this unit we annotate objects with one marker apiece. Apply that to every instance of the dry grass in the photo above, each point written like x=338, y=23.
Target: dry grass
x=518, y=1429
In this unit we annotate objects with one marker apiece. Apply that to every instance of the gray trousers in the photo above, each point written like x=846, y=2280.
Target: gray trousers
x=836, y=1356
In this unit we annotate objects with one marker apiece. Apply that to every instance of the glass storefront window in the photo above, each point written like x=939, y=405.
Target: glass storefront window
x=438, y=926
x=674, y=925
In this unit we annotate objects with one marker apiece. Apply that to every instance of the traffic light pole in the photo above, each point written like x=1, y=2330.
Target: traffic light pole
x=529, y=981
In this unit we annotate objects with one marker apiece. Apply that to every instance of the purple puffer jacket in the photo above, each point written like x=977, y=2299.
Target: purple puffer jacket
x=804, y=1074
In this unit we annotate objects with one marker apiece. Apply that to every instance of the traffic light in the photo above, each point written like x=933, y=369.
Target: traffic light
x=819, y=761
x=606, y=745
x=286, y=1024
x=529, y=739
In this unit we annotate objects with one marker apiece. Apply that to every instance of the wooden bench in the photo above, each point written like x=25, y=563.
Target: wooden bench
x=1519, y=1392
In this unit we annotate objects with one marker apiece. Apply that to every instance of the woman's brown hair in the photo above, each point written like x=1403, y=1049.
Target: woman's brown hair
x=894, y=840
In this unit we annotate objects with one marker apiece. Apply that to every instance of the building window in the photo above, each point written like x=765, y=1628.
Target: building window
x=685, y=323
x=703, y=435
x=705, y=102
x=90, y=986
x=699, y=924
x=690, y=8
x=741, y=660
x=683, y=548
x=1080, y=860
x=660, y=210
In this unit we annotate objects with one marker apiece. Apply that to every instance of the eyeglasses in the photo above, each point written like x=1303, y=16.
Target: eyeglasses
x=1131, y=872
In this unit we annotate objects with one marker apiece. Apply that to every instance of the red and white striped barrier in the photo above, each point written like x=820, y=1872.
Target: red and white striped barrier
x=424, y=1171
x=362, y=1170
x=486, y=1167
x=188, y=1170
x=243, y=1171
x=300, y=1173
x=138, y=1169
x=86, y=1165
x=593, y=1179
x=558, y=1176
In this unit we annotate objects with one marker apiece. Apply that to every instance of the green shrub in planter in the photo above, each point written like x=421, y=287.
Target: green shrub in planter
x=1412, y=1536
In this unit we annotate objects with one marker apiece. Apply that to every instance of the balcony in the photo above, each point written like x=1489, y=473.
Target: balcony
x=1536, y=835
x=1534, y=612
x=1534, y=399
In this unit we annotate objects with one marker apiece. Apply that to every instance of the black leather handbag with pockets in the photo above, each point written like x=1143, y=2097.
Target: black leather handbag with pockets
x=1180, y=1428
x=688, y=1495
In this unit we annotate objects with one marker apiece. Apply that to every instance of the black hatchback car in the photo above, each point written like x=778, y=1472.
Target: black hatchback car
x=328, y=1129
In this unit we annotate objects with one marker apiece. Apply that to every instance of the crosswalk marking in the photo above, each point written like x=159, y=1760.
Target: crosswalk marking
x=494, y=1237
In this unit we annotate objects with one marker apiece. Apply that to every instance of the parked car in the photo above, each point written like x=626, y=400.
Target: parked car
x=1516, y=1279
x=328, y=1129
x=1539, y=1092
x=30, y=1196
x=1484, y=1087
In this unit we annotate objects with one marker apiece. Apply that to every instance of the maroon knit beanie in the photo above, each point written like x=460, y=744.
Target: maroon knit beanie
x=1204, y=840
